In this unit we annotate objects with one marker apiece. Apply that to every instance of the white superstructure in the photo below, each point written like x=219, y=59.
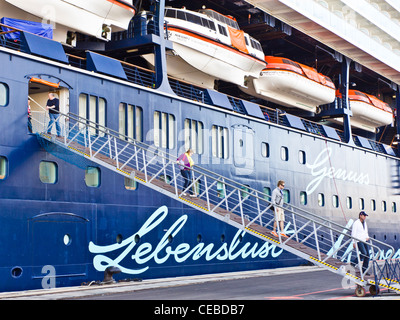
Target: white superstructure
x=367, y=31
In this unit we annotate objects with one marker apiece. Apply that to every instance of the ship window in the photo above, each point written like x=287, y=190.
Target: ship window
x=303, y=197
x=208, y=24
x=130, y=184
x=181, y=15
x=164, y=130
x=93, y=108
x=349, y=203
x=373, y=205
x=284, y=153
x=245, y=192
x=3, y=94
x=394, y=207
x=286, y=196
x=267, y=193
x=221, y=190
x=130, y=121
x=48, y=172
x=222, y=30
x=194, y=135
x=265, y=149
x=321, y=199
x=92, y=177
x=170, y=13
x=302, y=157
x=383, y=206
x=361, y=204
x=220, y=140
x=335, y=201
x=3, y=167
x=193, y=18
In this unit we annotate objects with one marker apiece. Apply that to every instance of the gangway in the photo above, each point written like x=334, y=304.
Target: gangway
x=310, y=237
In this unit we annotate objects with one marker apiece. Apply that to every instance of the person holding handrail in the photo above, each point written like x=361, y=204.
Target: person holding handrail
x=53, y=105
x=185, y=163
x=360, y=231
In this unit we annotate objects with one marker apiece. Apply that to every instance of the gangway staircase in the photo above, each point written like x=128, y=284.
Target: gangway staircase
x=309, y=236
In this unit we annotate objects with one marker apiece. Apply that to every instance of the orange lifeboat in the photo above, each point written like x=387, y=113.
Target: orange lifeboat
x=368, y=111
x=291, y=84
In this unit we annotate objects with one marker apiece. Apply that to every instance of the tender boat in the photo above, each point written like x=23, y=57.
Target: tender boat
x=209, y=46
x=369, y=112
x=93, y=17
x=291, y=84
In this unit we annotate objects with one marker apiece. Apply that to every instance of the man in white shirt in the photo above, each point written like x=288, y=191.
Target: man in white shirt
x=360, y=232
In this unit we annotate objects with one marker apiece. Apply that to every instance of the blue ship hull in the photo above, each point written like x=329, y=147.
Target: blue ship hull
x=61, y=234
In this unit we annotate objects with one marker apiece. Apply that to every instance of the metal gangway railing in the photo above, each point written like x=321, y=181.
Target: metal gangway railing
x=309, y=236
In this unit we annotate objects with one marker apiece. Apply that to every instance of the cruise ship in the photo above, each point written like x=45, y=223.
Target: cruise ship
x=300, y=91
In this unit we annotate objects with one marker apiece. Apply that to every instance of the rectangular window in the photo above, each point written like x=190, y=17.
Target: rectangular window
x=3, y=167
x=362, y=204
x=373, y=205
x=92, y=177
x=220, y=142
x=265, y=149
x=335, y=201
x=321, y=199
x=194, y=135
x=303, y=197
x=286, y=196
x=131, y=121
x=93, y=108
x=267, y=193
x=48, y=172
x=284, y=153
x=130, y=184
x=164, y=130
x=4, y=93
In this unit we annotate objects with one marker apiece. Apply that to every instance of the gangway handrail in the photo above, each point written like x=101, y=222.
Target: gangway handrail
x=227, y=181
x=250, y=205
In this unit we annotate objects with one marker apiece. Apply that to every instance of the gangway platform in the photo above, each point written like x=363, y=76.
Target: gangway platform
x=310, y=237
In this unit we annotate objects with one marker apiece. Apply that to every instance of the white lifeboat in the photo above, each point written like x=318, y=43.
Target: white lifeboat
x=92, y=17
x=209, y=46
x=368, y=111
x=291, y=84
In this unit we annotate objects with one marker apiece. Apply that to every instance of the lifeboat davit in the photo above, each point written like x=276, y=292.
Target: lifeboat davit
x=92, y=17
x=291, y=84
x=368, y=111
x=209, y=46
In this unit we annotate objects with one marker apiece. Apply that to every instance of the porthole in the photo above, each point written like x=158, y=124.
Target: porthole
x=67, y=239
x=16, y=272
x=119, y=238
x=222, y=238
x=137, y=238
x=199, y=238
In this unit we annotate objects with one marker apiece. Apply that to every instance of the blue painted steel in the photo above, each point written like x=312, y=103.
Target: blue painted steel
x=102, y=64
x=72, y=227
x=44, y=47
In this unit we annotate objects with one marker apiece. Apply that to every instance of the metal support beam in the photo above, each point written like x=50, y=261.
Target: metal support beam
x=344, y=90
x=160, y=60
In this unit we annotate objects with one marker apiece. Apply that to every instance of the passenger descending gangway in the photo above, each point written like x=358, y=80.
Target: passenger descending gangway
x=311, y=237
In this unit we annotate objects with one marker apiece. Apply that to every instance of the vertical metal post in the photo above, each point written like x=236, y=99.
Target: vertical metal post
x=344, y=90
x=160, y=60
x=207, y=195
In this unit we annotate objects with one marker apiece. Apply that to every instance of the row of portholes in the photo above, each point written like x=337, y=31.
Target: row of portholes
x=199, y=238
